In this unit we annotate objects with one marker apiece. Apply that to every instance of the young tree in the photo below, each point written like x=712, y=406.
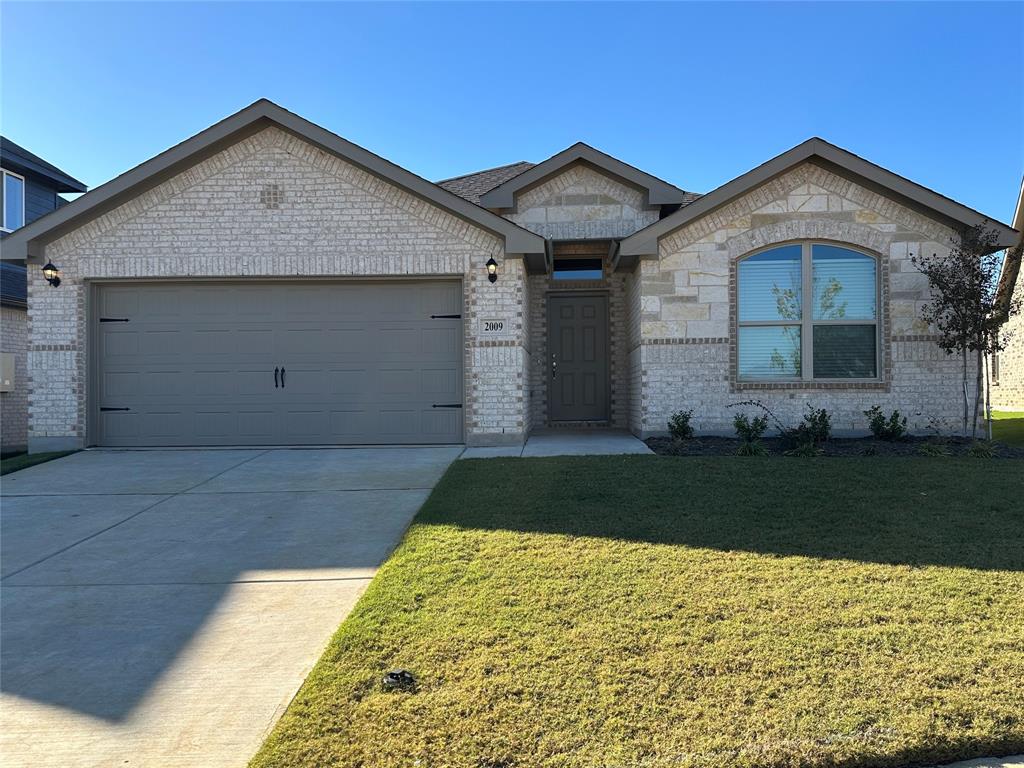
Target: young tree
x=966, y=307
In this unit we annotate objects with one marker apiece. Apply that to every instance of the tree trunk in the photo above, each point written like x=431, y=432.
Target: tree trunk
x=964, y=356
x=988, y=397
x=977, y=394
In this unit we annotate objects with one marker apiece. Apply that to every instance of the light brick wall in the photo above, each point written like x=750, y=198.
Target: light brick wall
x=273, y=205
x=1009, y=394
x=14, y=404
x=582, y=204
x=687, y=345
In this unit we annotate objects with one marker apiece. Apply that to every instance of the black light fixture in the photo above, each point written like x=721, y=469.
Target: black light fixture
x=492, y=270
x=52, y=274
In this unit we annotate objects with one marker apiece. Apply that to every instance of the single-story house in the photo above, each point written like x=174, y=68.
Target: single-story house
x=268, y=282
x=1007, y=390
x=30, y=188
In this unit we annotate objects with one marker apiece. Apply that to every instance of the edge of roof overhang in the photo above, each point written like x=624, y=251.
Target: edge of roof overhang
x=659, y=192
x=32, y=163
x=29, y=242
x=645, y=241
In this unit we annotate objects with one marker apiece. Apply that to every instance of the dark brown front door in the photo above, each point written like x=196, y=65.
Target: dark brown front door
x=578, y=358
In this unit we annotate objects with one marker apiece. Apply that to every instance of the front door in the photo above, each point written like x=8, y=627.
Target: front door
x=578, y=358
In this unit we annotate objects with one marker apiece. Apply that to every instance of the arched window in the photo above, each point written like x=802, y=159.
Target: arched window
x=808, y=311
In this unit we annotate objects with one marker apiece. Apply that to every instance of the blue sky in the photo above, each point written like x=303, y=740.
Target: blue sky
x=694, y=93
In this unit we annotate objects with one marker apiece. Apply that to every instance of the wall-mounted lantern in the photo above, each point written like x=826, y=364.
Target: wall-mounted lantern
x=52, y=274
x=492, y=270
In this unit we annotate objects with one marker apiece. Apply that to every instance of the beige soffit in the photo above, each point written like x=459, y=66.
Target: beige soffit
x=30, y=241
x=847, y=164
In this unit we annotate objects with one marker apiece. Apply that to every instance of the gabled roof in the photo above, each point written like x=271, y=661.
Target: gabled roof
x=17, y=158
x=658, y=192
x=836, y=159
x=30, y=241
x=1010, y=270
x=471, y=185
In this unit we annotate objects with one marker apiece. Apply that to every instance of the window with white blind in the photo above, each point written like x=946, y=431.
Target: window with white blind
x=808, y=312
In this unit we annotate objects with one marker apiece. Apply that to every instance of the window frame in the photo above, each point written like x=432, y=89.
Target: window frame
x=807, y=321
x=4, y=173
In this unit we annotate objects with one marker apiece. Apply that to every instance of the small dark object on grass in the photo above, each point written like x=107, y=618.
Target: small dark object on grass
x=399, y=679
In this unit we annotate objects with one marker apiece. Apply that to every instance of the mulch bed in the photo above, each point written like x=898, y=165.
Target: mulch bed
x=854, y=446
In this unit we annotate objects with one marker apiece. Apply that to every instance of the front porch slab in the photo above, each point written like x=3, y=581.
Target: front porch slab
x=567, y=442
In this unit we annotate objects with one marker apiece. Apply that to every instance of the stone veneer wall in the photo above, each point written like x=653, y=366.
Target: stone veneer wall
x=582, y=204
x=273, y=205
x=687, y=346
x=614, y=284
x=14, y=404
x=1009, y=394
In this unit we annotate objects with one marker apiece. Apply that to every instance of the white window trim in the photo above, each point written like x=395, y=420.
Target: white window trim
x=4, y=173
x=807, y=321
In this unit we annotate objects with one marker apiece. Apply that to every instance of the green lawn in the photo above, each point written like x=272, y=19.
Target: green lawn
x=1008, y=427
x=665, y=612
x=23, y=460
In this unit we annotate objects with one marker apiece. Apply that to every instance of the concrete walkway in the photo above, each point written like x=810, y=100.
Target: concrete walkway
x=567, y=442
x=1015, y=761
x=161, y=608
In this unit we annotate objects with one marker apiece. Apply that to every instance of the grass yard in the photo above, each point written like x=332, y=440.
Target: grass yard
x=1008, y=427
x=25, y=460
x=657, y=611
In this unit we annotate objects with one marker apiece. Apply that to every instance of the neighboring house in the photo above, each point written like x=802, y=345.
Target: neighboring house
x=30, y=188
x=268, y=282
x=1007, y=391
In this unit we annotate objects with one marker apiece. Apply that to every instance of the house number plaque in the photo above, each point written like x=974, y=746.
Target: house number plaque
x=493, y=327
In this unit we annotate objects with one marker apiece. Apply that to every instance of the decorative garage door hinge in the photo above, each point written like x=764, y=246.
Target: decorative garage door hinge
x=446, y=405
x=446, y=317
x=105, y=408
x=114, y=320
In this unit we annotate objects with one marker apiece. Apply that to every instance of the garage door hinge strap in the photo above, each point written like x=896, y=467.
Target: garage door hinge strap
x=114, y=320
x=104, y=408
x=446, y=317
x=446, y=405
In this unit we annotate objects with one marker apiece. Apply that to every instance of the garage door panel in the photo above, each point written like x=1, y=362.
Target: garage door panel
x=195, y=364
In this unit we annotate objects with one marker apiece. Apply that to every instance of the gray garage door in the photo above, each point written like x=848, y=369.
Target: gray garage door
x=207, y=363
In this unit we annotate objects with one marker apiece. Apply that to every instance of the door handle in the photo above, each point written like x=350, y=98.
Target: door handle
x=554, y=366
x=275, y=378
x=282, y=377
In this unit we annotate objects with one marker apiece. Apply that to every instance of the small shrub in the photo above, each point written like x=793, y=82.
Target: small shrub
x=750, y=430
x=869, y=450
x=892, y=429
x=934, y=448
x=751, y=448
x=807, y=449
x=815, y=429
x=981, y=449
x=679, y=425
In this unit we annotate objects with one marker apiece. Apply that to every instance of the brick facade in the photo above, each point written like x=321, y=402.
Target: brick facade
x=274, y=205
x=688, y=324
x=1008, y=394
x=582, y=204
x=14, y=404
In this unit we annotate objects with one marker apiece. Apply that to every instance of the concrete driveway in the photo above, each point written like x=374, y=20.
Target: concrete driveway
x=161, y=608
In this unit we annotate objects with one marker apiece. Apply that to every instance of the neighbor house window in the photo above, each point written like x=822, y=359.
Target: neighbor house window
x=808, y=311
x=12, y=201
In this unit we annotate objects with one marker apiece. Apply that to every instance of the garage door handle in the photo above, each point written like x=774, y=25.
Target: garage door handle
x=282, y=377
x=275, y=378
x=446, y=405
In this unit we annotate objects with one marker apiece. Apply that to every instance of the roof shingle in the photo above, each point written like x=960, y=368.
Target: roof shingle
x=472, y=185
